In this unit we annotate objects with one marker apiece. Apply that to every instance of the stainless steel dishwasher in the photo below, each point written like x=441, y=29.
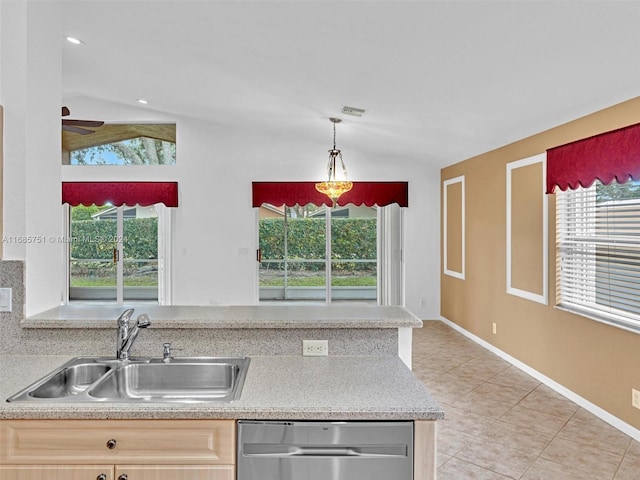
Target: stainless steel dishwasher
x=282, y=450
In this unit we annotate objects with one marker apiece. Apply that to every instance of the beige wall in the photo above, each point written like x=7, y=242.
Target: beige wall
x=598, y=362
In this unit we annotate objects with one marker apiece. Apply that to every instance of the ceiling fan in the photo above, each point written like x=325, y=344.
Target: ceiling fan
x=78, y=126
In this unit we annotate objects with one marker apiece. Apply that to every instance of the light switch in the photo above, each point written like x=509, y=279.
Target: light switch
x=5, y=299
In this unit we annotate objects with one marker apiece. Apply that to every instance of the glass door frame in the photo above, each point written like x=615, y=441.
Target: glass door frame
x=327, y=262
x=165, y=244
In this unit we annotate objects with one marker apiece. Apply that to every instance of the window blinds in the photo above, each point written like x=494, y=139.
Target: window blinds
x=598, y=240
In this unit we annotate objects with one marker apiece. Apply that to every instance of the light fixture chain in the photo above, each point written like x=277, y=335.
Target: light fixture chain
x=334, y=135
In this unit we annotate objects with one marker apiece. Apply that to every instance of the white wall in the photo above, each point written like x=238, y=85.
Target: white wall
x=31, y=85
x=215, y=226
x=422, y=243
x=13, y=31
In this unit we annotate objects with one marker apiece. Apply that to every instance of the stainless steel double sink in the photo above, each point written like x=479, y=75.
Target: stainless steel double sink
x=102, y=379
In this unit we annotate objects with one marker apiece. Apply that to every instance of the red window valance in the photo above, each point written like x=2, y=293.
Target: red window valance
x=608, y=156
x=302, y=193
x=120, y=193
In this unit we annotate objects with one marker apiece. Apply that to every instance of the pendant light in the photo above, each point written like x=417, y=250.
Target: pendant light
x=337, y=182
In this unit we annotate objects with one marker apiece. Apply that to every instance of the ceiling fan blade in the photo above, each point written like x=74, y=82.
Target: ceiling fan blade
x=83, y=123
x=65, y=111
x=81, y=131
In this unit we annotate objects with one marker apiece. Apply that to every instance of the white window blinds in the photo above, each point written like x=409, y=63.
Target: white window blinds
x=598, y=240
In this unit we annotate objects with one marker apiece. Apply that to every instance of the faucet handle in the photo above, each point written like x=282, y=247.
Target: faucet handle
x=124, y=317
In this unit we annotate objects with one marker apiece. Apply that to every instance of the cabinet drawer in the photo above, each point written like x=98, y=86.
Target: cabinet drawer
x=155, y=442
x=56, y=472
x=177, y=472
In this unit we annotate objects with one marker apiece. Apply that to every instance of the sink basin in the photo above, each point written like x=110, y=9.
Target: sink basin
x=205, y=381
x=100, y=379
x=70, y=380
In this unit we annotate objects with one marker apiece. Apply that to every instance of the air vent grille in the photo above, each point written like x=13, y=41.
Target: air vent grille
x=356, y=112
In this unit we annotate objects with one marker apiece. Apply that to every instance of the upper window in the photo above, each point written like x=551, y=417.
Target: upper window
x=121, y=144
x=598, y=239
x=139, y=151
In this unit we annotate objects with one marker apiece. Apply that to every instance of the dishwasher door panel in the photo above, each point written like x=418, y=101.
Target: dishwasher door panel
x=325, y=450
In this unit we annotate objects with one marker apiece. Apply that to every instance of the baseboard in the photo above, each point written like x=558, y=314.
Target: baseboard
x=612, y=420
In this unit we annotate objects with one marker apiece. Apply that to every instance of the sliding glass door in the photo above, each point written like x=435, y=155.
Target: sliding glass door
x=113, y=254
x=317, y=253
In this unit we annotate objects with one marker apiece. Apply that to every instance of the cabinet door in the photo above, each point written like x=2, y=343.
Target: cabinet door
x=175, y=472
x=56, y=472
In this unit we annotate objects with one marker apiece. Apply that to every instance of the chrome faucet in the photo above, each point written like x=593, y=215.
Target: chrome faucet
x=126, y=335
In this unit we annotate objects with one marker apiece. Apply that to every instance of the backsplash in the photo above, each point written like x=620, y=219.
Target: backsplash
x=12, y=276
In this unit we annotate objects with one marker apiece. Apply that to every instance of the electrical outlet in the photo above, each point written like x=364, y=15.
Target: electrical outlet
x=495, y=328
x=635, y=398
x=423, y=302
x=315, y=348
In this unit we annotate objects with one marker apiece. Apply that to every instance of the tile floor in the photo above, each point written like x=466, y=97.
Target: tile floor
x=503, y=424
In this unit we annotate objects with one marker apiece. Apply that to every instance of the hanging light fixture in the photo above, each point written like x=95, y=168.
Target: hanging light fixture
x=337, y=183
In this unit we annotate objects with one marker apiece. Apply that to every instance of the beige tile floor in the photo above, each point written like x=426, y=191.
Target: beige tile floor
x=503, y=424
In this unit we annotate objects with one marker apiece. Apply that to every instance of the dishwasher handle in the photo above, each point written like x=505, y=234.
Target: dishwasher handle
x=282, y=450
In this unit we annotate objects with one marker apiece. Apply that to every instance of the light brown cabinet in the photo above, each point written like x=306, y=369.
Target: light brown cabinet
x=56, y=472
x=117, y=449
x=176, y=472
x=117, y=472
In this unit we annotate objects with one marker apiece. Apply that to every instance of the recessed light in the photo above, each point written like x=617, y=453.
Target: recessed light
x=74, y=40
x=142, y=101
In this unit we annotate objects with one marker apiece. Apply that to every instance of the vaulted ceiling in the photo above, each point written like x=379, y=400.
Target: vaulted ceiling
x=440, y=81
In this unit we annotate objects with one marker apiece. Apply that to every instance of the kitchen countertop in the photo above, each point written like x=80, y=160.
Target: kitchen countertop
x=276, y=387
x=233, y=316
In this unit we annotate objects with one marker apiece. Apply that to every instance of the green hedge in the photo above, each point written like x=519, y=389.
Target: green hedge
x=97, y=238
x=352, y=238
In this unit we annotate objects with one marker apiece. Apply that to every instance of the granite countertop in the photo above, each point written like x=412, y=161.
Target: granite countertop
x=278, y=387
x=233, y=316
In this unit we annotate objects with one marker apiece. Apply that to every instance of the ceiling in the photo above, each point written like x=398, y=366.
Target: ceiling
x=440, y=81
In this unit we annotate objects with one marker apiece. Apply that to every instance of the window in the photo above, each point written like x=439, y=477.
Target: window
x=139, y=151
x=318, y=253
x=598, y=241
x=119, y=254
x=119, y=248
x=121, y=144
x=113, y=253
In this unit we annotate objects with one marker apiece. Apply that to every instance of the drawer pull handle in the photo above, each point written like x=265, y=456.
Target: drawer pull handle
x=111, y=444
x=102, y=476
x=123, y=477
